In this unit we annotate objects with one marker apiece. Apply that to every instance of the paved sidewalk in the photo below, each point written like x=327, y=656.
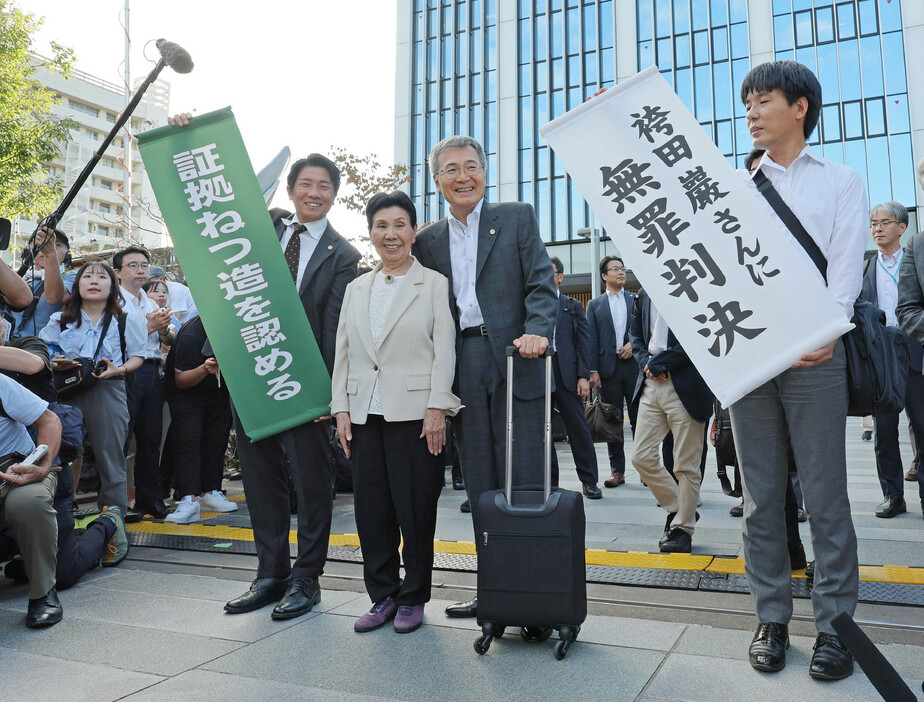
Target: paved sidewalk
x=138, y=635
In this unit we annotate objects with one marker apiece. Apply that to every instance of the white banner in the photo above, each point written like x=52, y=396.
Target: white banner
x=724, y=274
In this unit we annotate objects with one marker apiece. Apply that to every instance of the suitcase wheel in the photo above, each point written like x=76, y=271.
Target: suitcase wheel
x=482, y=644
x=561, y=649
x=499, y=634
x=567, y=635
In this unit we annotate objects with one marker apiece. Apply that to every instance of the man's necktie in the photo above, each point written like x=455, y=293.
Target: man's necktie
x=293, y=248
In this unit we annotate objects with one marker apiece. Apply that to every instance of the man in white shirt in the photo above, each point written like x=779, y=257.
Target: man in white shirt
x=807, y=402
x=887, y=223
x=613, y=368
x=131, y=267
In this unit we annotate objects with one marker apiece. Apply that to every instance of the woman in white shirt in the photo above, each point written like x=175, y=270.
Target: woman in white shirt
x=93, y=311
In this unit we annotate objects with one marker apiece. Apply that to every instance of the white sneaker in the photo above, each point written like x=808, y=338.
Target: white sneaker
x=215, y=501
x=187, y=511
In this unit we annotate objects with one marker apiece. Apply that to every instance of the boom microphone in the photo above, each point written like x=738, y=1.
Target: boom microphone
x=174, y=56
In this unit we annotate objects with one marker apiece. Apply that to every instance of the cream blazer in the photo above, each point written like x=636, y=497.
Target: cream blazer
x=416, y=360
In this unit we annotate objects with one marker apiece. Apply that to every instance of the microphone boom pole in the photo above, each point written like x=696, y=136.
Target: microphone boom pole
x=171, y=55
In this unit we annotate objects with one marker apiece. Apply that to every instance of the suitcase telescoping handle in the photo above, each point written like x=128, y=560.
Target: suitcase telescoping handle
x=547, y=481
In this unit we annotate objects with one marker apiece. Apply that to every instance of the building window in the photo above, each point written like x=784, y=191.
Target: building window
x=85, y=109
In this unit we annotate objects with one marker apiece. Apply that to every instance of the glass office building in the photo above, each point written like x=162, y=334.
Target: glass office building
x=499, y=69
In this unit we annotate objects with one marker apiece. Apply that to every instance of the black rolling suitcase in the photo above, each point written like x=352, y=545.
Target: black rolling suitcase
x=531, y=570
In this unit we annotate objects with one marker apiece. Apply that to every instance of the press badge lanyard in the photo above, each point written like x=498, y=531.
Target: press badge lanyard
x=894, y=279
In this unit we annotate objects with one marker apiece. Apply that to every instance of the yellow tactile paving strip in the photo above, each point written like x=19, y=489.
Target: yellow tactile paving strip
x=622, y=559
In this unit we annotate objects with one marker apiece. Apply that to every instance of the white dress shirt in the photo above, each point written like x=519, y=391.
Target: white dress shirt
x=830, y=201
x=658, y=328
x=181, y=303
x=887, y=283
x=308, y=240
x=142, y=306
x=618, y=313
x=463, y=255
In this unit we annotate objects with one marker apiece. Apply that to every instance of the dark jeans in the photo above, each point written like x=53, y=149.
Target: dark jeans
x=199, y=430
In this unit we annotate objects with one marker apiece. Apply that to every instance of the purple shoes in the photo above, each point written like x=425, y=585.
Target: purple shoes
x=409, y=618
x=381, y=613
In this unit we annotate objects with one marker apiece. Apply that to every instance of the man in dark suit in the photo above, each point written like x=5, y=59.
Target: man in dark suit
x=502, y=294
x=671, y=396
x=322, y=263
x=888, y=222
x=613, y=367
x=571, y=367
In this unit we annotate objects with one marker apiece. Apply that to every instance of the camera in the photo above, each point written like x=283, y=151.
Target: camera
x=100, y=368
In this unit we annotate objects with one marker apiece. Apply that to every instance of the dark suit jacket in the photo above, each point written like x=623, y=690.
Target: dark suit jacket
x=870, y=293
x=513, y=283
x=572, y=342
x=603, y=334
x=692, y=390
x=331, y=267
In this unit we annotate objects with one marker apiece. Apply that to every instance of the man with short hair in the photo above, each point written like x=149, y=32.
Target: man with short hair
x=613, y=368
x=51, y=286
x=910, y=314
x=131, y=267
x=502, y=294
x=887, y=223
x=807, y=402
x=571, y=369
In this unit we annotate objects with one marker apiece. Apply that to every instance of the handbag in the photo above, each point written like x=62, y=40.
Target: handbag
x=877, y=355
x=78, y=379
x=603, y=419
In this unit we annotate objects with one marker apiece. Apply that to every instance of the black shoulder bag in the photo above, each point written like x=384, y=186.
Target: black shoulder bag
x=877, y=355
x=76, y=380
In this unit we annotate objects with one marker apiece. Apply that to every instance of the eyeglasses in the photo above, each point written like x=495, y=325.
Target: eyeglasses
x=452, y=170
x=882, y=223
x=615, y=268
x=136, y=266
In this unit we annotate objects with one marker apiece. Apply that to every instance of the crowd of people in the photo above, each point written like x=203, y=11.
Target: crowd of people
x=416, y=349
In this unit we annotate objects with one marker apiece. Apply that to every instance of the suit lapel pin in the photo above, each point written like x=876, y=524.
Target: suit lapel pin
x=492, y=232
x=330, y=247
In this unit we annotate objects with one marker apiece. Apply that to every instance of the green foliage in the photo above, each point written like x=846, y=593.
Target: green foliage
x=29, y=133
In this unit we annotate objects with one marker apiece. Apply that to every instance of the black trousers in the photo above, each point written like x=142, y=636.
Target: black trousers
x=571, y=409
x=888, y=456
x=76, y=554
x=199, y=430
x=615, y=390
x=147, y=421
x=265, y=465
x=396, y=486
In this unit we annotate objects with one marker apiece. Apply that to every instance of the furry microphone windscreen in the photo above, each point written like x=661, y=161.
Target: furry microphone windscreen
x=175, y=56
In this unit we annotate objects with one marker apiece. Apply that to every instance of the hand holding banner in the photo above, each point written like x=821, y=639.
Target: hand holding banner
x=743, y=301
x=227, y=245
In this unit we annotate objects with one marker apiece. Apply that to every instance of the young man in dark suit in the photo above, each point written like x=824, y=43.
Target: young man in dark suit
x=322, y=263
x=613, y=368
x=502, y=294
x=571, y=368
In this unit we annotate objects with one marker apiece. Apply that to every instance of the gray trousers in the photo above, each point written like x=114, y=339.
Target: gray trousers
x=105, y=414
x=810, y=404
x=30, y=512
x=481, y=427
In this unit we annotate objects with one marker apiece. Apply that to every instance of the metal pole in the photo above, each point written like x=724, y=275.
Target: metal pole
x=127, y=137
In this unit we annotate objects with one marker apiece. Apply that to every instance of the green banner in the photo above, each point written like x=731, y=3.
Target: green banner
x=227, y=245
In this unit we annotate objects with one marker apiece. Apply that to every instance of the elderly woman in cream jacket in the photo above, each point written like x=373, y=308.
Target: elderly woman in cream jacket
x=392, y=391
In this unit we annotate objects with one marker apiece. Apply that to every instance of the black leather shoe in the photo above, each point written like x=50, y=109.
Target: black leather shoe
x=810, y=570
x=667, y=527
x=831, y=660
x=891, y=507
x=466, y=507
x=263, y=591
x=301, y=595
x=458, y=483
x=44, y=611
x=591, y=491
x=768, y=647
x=461, y=610
x=677, y=541
x=534, y=634
x=797, y=558
x=737, y=510
x=156, y=509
